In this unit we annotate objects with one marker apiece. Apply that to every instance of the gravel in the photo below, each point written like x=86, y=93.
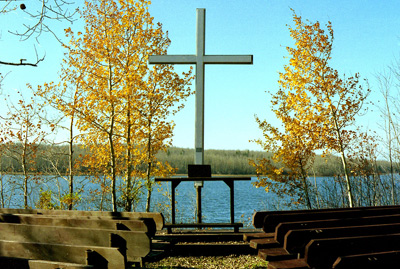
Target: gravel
x=209, y=262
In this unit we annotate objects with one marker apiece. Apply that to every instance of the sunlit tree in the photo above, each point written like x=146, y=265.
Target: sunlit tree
x=22, y=135
x=120, y=101
x=316, y=101
x=316, y=106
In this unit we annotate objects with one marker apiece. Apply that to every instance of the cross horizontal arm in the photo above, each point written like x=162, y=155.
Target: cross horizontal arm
x=172, y=59
x=206, y=59
x=228, y=59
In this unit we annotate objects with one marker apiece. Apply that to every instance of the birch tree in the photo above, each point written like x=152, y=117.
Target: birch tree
x=316, y=103
x=107, y=63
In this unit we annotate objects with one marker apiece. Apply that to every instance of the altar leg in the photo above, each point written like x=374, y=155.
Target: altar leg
x=232, y=196
x=173, y=185
x=198, y=193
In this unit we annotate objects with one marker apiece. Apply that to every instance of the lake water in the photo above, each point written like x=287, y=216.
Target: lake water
x=215, y=197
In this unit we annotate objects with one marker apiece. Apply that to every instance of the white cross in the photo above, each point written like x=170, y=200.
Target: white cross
x=200, y=59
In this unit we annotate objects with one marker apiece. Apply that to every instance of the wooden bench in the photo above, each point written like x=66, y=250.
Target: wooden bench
x=283, y=228
x=323, y=253
x=137, y=244
x=293, y=244
x=271, y=221
x=296, y=240
x=258, y=218
x=131, y=237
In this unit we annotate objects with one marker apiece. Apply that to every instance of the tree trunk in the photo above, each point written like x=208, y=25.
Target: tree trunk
x=71, y=165
x=113, y=165
x=343, y=158
x=1, y=190
x=129, y=198
x=24, y=168
x=149, y=183
x=305, y=185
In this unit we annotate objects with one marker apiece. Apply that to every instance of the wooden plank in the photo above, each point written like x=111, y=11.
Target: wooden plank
x=249, y=236
x=146, y=225
x=260, y=243
x=157, y=217
x=100, y=257
x=40, y=264
x=389, y=259
x=288, y=264
x=196, y=225
x=137, y=244
x=284, y=227
x=216, y=178
x=272, y=221
x=275, y=254
x=296, y=240
x=259, y=216
x=322, y=253
x=236, y=226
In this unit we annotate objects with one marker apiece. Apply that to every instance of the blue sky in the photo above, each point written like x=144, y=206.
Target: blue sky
x=367, y=39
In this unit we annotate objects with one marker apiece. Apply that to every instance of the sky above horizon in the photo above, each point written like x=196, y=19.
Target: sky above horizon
x=366, y=41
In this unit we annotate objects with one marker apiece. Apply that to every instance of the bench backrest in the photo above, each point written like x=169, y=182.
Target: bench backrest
x=157, y=217
x=271, y=221
x=146, y=225
x=283, y=227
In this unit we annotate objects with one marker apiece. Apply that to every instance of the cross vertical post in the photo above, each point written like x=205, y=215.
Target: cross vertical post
x=199, y=122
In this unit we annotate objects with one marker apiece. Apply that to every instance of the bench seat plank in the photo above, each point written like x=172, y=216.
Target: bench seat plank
x=260, y=243
x=288, y=264
x=275, y=254
x=249, y=236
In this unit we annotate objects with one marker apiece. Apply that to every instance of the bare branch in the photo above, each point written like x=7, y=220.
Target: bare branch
x=22, y=61
x=50, y=10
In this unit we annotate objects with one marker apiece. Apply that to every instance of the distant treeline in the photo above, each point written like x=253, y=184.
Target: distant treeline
x=236, y=162
x=226, y=162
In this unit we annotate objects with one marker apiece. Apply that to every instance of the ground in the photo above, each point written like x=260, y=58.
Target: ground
x=210, y=262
